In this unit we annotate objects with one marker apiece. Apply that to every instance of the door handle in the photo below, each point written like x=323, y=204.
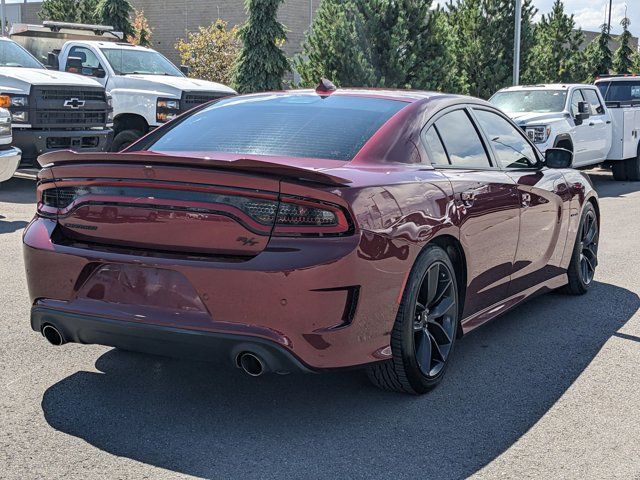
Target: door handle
x=468, y=197
x=591, y=124
x=608, y=122
x=525, y=199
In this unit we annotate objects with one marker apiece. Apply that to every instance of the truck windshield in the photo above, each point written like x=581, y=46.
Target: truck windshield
x=623, y=91
x=537, y=101
x=13, y=55
x=129, y=61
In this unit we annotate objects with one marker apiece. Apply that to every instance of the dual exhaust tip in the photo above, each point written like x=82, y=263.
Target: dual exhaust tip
x=248, y=362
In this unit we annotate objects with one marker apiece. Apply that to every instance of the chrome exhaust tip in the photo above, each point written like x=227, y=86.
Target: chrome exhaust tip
x=53, y=335
x=250, y=364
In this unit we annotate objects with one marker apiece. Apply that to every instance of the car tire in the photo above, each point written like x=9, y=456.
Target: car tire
x=425, y=329
x=584, y=258
x=633, y=168
x=125, y=138
x=619, y=170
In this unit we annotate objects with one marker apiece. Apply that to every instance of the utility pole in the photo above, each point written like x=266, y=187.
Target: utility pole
x=516, y=44
x=609, y=22
x=4, y=24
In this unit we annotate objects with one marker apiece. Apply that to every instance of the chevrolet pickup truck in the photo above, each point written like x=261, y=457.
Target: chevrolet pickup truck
x=576, y=117
x=147, y=89
x=51, y=110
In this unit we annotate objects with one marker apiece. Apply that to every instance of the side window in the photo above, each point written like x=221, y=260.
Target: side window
x=89, y=60
x=461, y=140
x=575, y=99
x=511, y=148
x=592, y=97
x=435, y=149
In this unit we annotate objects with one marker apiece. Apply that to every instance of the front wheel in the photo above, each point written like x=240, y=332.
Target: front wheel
x=584, y=259
x=425, y=329
x=124, y=139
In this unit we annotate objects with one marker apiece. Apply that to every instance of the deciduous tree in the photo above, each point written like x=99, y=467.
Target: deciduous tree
x=141, y=30
x=262, y=63
x=212, y=52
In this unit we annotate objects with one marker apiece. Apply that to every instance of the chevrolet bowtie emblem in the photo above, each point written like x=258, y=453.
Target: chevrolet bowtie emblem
x=74, y=103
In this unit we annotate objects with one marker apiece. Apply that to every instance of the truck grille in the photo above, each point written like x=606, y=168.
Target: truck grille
x=68, y=107
x=65, y=118
x=66, y=95
x=190, y=100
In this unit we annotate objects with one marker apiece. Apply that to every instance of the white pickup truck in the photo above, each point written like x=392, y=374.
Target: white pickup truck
x=9, y=155
x=147, y=89
x=575, y=117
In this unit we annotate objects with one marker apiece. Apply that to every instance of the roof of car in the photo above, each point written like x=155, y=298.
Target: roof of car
x=546, y=86
x=619, y=78
x=409, y=96
x=107, y=44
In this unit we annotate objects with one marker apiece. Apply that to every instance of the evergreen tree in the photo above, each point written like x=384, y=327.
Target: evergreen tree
x=381, y=43
x=484, y=31
x=87, y=12
x=262, y=63
x=598, y=55
x=556, y=54
x=116, y=13
x=58, y=10
x=623, y=57
x=635, y=59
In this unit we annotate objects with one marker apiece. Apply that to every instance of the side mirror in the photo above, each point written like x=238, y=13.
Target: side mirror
x=185, y=69
x=558, y=158
x=74, y=65
x=52, y=61
x=584, y=111
x=99, y=73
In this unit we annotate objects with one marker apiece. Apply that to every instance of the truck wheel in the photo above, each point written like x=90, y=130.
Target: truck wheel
x=125, y=138
x=619, y=170
x=633, y=168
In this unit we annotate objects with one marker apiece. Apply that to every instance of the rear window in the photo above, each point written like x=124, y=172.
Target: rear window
x=625, y=91
x=334, y=127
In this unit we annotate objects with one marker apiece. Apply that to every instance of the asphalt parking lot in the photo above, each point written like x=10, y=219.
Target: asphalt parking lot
x=550, y=390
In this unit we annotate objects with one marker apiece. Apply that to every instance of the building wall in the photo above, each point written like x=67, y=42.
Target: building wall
x=171, y=19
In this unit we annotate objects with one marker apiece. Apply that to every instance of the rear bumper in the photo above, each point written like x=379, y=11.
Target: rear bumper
x=34, y=142
x=330, y=303
x=162, y=340
x=9, y=161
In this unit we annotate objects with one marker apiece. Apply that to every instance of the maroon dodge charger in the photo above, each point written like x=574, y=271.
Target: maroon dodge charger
x=309, y=231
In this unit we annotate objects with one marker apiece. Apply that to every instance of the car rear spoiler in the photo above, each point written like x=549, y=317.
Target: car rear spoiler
x=242, y=164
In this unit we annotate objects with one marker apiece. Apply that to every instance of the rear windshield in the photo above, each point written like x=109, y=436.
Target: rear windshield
x=334, y=127
x=625, y=91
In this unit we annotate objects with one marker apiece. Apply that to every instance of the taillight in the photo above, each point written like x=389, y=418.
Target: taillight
x=301, y=217
x=288, y=217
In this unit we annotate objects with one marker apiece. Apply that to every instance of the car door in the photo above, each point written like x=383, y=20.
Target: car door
x=599, y=124
x=582, y=143
x=544, y=201
x=486, y=203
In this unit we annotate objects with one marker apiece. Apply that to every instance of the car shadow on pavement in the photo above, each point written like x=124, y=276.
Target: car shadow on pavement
x=606, y=186
x=18, y=190
x=9, y=227
x=209, y=421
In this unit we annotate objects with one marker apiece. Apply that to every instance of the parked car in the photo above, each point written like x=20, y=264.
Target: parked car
x=51, y=110
x=309, y=231
x=9, y=155
x=575, y=117
x=147, y=89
